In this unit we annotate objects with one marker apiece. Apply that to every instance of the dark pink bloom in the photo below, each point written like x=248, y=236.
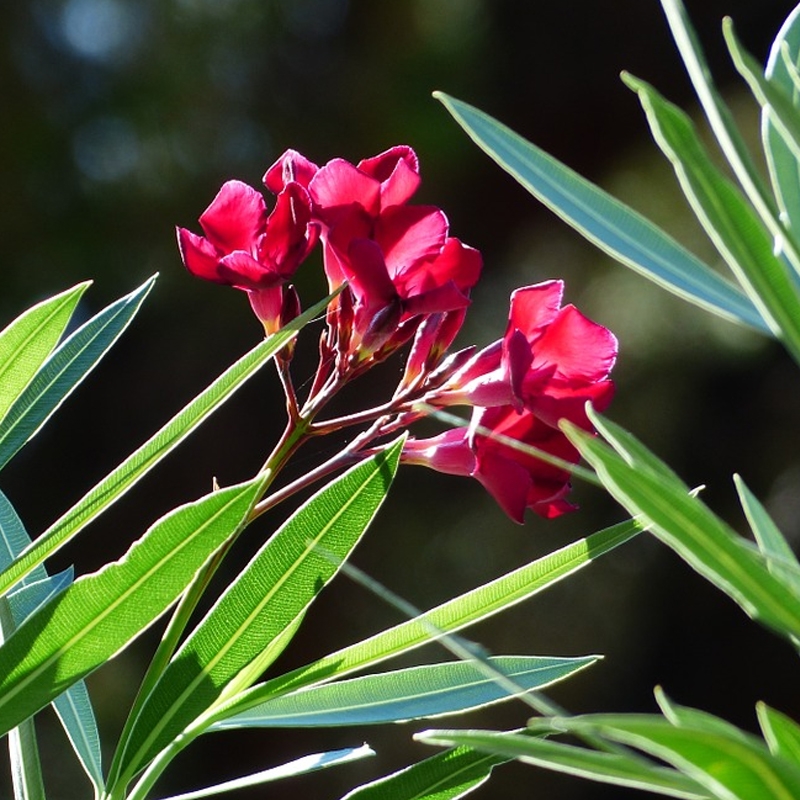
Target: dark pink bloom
x=249, y=249
x=517, y=479
x=551, y=361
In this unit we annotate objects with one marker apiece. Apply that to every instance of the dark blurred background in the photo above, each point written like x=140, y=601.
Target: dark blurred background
x=121, y=118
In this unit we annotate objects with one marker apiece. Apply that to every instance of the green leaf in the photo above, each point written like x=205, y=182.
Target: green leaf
x=74, y=710
x=101, y=613
x=775, y=103
x=299, y=766
x=27, y=341
x=646, y=487
x=620, y=769
x=612, y=226
x=26, y=767
x=781, y=560
x=73, y=707
x=431, y=690
x=139, y=463
x=64, y=370
x=730, y=140
x=781, y=733
x=275, y=589
x=727, y=217
x=458, y=613
x=730, y=765
x=784, y=168
x=445, y=776
x=23, y=749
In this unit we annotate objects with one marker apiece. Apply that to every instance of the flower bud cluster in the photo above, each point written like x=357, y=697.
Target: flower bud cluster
x=403, y=278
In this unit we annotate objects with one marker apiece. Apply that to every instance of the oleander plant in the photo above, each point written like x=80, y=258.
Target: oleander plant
x=523, y=415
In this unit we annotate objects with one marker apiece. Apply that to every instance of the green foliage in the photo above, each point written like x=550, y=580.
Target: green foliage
x=754, y=227
x=259, y=606
x=27, y=342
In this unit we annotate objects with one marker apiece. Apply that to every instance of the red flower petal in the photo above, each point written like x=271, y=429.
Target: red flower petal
x=235, y=218
x=580, y=349
x=409, y=234
x=244, y=272
x=339, y=183
x=290, y=167
x=533, y=307
x=199, y=256
x=398, y=171
x=367, y=270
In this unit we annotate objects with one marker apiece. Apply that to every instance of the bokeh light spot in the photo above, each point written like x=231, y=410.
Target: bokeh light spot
x=100, y=30
x=106, y=149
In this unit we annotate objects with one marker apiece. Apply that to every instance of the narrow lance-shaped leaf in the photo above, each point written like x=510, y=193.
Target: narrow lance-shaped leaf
x=300, y=766
x=616, y=229
x=727, y=763
x=73, y=707
x=101, y=613
x=770, y=96
x=645, y=486
x=267, y=597
x=27, y=341
x=431, y=690
x=727, y=218
x=784, y=167
x=467, y=609
x=139, y=463
x=781, y=733
x=445, y=776
x=721, y=121
x=619, y=769
x=23, y=748
x=780, y=558
x=65, y=369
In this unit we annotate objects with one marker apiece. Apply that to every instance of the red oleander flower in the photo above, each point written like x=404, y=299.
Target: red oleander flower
x=251, y=250
x=551, y=361
x=398, y=259
x=515, y=478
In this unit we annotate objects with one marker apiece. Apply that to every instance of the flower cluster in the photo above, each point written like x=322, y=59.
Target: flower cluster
x=402, y=276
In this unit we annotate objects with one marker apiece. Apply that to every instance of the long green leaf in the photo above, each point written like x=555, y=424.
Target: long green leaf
x=616, y=768
x=101, y=613
x=727, y=218
x=771, y=97
x=721, y=121
x=730, y=765
x=781, y=733
x=781, y=560
x=445, y=776
x=300, y=766
x=612, y=226
x=687, y=525
x=27, y=341
x=431, y=690
x=26, y=766
x=458, y=613
x=270, y=594
x=65, y=369
x=784, y=168
x=73, y=707
x=139, y=463
x=23, y=749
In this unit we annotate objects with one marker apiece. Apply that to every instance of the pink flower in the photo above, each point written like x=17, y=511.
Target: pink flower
x=398, y=259
x=517, y=479
x=551, y=361
x=248, y=249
